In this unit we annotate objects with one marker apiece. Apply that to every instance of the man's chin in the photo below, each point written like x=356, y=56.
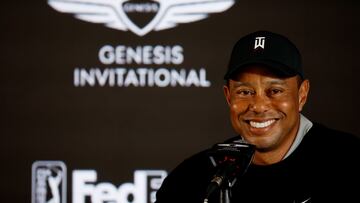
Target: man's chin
x=262, y=144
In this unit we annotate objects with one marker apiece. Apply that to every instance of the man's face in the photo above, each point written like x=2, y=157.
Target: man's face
x=264, y=108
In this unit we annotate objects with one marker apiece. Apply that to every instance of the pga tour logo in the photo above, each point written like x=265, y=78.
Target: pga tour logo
x=48, y=182
x=141, y=16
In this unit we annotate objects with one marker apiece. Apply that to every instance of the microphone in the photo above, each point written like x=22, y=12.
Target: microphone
x=232, y=160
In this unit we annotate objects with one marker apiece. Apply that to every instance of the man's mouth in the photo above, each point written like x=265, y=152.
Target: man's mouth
x=263, y=124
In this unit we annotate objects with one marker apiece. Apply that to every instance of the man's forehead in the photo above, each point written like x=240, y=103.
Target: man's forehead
x=267, y=81
x=257, y=70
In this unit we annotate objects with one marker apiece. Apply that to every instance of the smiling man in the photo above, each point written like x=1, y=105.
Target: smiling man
x=265, y=110
x=295, y=160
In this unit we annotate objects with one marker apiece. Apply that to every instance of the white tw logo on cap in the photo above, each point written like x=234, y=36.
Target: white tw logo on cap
x=259, y=42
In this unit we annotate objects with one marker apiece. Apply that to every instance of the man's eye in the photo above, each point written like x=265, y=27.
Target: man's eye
x=275, y=91
x=244, y=92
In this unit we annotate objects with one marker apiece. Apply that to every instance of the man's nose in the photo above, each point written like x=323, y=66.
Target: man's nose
x=260, y=104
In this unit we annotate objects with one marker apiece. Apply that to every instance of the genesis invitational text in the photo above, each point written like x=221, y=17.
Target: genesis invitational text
x=159, y=75
x=141, y=77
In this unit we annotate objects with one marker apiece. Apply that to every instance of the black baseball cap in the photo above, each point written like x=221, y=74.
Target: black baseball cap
x=268, y=49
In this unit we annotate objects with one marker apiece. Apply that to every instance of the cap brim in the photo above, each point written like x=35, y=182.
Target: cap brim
x=277, y=68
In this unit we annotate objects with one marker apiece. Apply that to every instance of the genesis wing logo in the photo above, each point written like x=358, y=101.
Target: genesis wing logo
x=116, y=13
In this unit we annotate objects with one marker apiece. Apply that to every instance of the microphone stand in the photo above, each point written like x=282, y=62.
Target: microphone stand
x=225, y=193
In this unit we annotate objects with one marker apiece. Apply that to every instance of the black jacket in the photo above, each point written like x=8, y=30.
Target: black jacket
x=323, y=168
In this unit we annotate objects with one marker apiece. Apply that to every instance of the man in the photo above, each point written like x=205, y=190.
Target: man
x=295, y=160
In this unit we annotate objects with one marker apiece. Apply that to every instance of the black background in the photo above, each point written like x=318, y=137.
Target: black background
x=117, y=130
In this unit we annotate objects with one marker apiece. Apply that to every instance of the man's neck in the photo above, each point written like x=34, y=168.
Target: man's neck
x=271, y=157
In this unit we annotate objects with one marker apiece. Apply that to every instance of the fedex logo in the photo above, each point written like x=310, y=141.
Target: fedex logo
x=142, y=190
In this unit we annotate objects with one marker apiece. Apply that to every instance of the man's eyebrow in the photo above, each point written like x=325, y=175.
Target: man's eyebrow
x=271, y=82
x=277, y=82
x=238, y=83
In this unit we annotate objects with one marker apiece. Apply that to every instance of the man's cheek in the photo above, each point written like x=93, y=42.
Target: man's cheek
x=286, y=106
x=238, y=108
x=235, y=107
x=236, y=113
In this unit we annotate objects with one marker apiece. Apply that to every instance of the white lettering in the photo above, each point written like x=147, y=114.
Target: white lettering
x=162, y=77
x=120, y=76
x=146, y=183
x=105, y=192
x=120, y=54
x=131, y=79
x=141, y=7
x=147, y=54
x=106, y=55
x=112, y=77
x=151, y=77
x=177, y=53
x=133, y=55
x=141, y=77
x=203, y=81
x=82, y=186
x=192, y=79
x=102, y=77
x=141, y=54
x=168, y=58
x=178, y=78
x=87, y=77
x=159, y=56
x=76, y=77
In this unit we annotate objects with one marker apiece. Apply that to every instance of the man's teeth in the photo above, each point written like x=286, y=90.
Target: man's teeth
x=261, y=124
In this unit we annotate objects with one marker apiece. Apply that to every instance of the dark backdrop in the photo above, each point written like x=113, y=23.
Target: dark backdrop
x=116, y=130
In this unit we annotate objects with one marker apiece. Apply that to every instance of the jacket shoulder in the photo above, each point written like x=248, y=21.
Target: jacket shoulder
x=333, y=136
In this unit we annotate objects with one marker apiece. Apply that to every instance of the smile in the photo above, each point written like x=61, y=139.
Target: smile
x=261, y=124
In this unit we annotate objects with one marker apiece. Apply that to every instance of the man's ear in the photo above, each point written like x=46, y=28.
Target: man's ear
x=303, y=93
x=226, y=89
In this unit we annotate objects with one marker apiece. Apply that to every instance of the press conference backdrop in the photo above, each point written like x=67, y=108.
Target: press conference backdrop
x=101, y=99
